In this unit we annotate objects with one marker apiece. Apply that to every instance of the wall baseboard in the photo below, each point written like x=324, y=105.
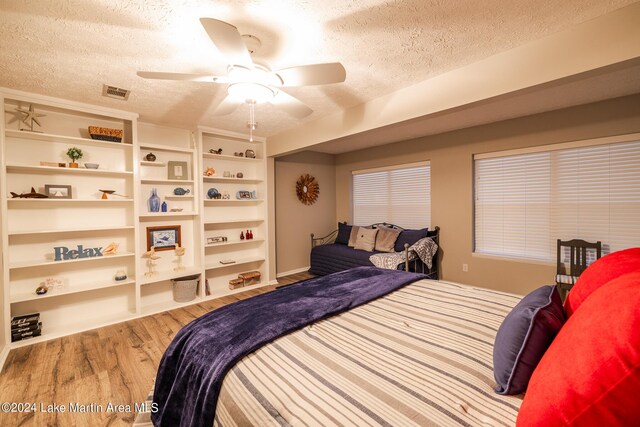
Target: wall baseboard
x=290, y=272
x=3, y=355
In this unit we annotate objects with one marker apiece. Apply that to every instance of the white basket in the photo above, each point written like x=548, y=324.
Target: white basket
x=185, y=288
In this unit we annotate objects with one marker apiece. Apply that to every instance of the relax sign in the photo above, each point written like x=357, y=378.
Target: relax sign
x=64, y=253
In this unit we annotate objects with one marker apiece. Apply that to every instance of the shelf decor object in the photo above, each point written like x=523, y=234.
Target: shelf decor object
x=177, y=170
x=30, y=117
x=307, y=189
x=58, y=191
x=150, y=157
x=74, y=153
x=105, y=134
x=164, y=237
x=151, y=257
x=154, y=201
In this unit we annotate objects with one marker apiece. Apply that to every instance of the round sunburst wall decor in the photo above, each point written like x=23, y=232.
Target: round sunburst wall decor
x=307, y=189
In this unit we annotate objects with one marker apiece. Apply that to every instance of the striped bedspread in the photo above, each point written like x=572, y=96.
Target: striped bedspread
x=420, y=356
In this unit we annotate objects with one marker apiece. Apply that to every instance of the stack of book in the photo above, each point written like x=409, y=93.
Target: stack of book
x=25, y=326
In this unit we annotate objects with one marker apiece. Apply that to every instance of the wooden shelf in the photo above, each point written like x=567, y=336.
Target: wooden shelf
x=240, y=261
x=30, y=264
x=228, y=157
x=52, y=200
x=174, y=197
x=166, y=214
x=66, y=231
x=147, y=163
x=166, y=181
x=219, y=293
x=50, y=170
x=209, y=201
x=167, y=305
x=233, y=242
x=159, y=147
x=223, y=179
x=47, y=137
x=233, y=221
x=32, y=296
x=170, y=274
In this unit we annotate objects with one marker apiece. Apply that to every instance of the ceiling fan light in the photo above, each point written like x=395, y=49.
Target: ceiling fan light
x=250, y=92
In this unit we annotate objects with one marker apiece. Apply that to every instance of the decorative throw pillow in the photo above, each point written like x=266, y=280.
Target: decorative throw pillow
x=590, y=375
x=366, y=239
x=344, y=232
x=353, y=236
x=599, y=273
x=386, y=239
x=523, y=338
x=410, y=237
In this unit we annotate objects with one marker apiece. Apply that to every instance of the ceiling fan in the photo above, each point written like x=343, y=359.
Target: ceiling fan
x=253, y=83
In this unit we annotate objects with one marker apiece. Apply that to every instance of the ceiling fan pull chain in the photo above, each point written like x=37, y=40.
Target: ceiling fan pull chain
x=252, y=120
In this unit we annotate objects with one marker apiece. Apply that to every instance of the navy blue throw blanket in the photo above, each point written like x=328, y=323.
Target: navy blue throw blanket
x=193, y=367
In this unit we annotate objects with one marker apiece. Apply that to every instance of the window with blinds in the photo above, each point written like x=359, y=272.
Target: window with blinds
x=399, y=195
x=525, y=202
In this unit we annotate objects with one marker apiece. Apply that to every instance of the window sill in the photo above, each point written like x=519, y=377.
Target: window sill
x=513, y=259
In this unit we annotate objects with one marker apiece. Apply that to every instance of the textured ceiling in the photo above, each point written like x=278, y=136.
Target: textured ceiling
x=69, y=48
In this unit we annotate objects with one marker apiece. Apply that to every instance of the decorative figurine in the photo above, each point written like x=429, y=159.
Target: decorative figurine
x=225, y=195
x=240, y=175
x=213, y=193
x=151, y=258
x=110, y=192
x=218, y=151
x=41, y=290
x=31, y=195
x=179, y=253
x=154, y=201
x=74, y=153
x=250, y=154
x=241, y=154
x=163, y=207
x=30, y=117
x=210, y=171
x=181, y=191
x=242, y=235
x=120, y=276
x=150, y=157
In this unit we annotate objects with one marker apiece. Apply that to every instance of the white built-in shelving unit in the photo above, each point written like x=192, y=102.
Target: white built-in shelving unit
x=31, y=228
x=90, y=296
x=231, y=217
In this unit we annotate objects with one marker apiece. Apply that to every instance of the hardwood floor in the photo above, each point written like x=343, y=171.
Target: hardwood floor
x=112, y=365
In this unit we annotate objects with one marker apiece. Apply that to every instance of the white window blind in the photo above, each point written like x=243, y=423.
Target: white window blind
x=400, y=196
x=525, y=202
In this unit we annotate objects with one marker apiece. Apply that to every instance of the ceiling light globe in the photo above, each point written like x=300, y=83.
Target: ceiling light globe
x=250, y=92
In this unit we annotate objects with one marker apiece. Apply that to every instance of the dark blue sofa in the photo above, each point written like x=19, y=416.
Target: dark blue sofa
x=328, y=257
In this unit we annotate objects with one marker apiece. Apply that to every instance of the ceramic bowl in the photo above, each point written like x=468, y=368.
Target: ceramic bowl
x=91, y=165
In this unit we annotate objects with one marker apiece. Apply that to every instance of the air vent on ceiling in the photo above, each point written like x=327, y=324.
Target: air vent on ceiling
x=115, y=92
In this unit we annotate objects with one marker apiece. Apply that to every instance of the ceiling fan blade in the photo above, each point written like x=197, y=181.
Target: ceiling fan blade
x=228, y=41
x=291, y=105
x=227, y=106
x=181, y=76
x=313, y=74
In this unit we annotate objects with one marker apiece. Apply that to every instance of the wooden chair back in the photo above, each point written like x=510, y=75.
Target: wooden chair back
x=578, y=255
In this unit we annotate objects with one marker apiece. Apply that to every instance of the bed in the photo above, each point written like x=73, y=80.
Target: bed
x=419, y=355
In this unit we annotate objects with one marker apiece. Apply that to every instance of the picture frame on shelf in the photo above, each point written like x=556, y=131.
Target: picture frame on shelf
x=177, y=170
x=58, y=191
x=164, y=238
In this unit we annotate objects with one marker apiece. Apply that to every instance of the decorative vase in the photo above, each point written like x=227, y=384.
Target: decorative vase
x=150, y=157
x=242, y=235
x=163, y=207
x=73, y=165
x=154, y=201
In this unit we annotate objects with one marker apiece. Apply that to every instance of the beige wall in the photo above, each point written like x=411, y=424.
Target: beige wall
x=296, y=221
x=451, y=157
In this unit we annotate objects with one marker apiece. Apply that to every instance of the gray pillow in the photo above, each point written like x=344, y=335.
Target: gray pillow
x=523, y=338
x=386, y=239
x=366, y=239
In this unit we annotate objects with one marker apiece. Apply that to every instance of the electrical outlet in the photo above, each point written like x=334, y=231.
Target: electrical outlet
x=465, y=267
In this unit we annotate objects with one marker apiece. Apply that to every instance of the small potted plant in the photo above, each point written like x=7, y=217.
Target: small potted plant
x=74, y=154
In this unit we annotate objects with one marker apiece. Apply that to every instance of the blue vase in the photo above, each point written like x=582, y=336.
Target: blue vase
x=164, y=207
x=154, y=201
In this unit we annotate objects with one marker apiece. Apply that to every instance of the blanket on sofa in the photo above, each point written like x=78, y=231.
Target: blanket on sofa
x=193, y=367
x=424, y=249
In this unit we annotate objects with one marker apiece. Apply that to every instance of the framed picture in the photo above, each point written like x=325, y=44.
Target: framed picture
x=178, y=170
x=58, y=191
x=163, y=238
